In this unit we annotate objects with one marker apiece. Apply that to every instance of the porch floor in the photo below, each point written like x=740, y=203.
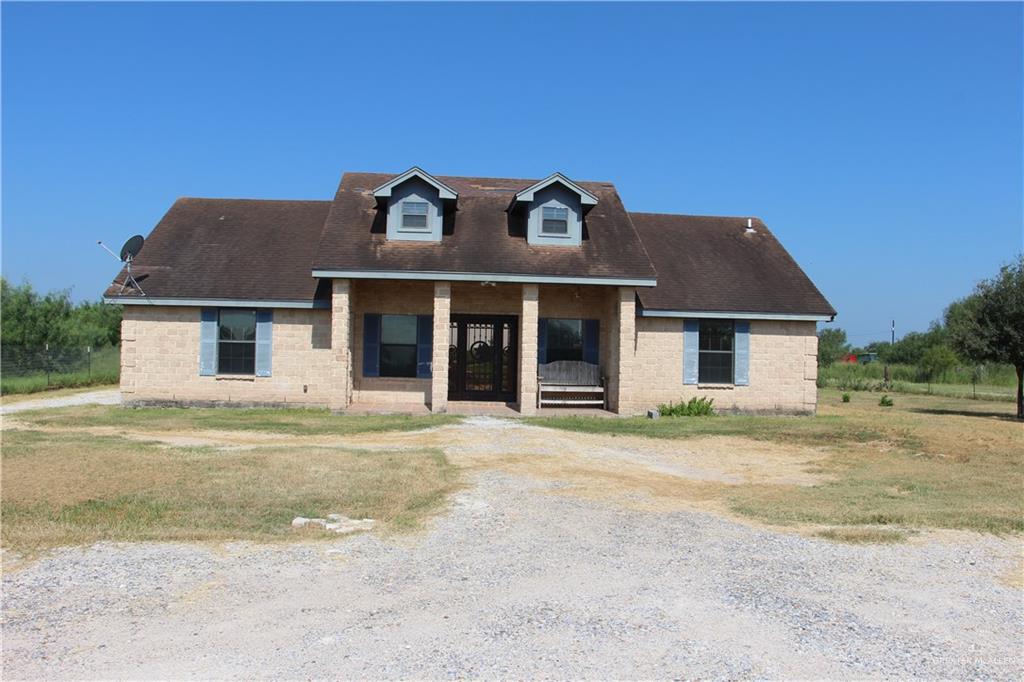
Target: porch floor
x=474, y=408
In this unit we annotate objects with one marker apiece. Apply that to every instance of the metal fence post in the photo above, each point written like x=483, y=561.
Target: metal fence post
x=88, y=351
x=46, y=361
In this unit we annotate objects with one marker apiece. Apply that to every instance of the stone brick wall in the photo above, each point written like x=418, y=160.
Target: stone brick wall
x=387, y=297
x=642, y=358
x=160, y=360
x=783, y=368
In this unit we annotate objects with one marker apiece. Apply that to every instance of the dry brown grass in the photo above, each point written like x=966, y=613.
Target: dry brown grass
x=74, y=488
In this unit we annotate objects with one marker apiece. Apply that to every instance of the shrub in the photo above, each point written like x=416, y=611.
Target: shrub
x=846, y=397
x=694, y=407
x=886, y=401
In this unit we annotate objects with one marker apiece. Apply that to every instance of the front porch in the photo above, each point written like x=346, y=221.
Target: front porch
x=475, y=408
x=475, y=349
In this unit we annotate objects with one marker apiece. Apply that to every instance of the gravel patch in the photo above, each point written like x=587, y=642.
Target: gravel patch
x=109, y=396
x=516, y=582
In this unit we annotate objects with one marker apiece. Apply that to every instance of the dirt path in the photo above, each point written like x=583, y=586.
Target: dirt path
x=107, y=396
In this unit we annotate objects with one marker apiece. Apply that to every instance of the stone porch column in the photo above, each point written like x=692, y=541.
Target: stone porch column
x=528, y=350
x=439, y=357
x=340, y=393
x=625, y=400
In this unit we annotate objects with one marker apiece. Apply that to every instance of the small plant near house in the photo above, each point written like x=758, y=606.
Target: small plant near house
x=886, y=401
x=694, y=407
x=846, y=397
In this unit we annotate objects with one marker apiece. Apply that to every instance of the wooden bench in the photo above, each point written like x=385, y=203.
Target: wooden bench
x=570, y=383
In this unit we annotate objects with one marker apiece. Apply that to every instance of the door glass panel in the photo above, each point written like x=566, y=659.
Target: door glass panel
x=479, y=356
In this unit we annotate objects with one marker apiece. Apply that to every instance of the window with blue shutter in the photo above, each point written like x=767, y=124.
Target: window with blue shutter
x=742, y=360
x=264, y=345
x=208, y=342
x=691, y=343
x=591, y=341
x=424, y=345
x=542, y=341
x=371, y=345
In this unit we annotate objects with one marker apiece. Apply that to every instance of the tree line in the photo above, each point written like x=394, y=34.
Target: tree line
x=985, y=327
x=29, y=319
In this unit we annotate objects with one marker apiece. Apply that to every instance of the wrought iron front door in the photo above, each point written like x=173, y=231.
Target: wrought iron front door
x=482, y=358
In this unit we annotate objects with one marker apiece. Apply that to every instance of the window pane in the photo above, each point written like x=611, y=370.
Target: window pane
x=565, y=340
x=715, y=368
x=414, y=214
x=237, y=325
x=397, y=361
x=555, y=213
x=398, y=329
x=236, y=358
x=716, y=334
x=555, y=227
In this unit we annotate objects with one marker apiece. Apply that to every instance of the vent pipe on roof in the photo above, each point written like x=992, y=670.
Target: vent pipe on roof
x=750, y=226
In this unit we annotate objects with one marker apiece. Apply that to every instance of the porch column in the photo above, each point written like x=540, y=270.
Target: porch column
x=439, y=358
x=340, y=392
x=528, y=350
x=625, y=398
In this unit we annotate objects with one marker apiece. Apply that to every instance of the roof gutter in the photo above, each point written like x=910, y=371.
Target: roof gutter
x=729, y=315
x=215, y=302
x=484, y=277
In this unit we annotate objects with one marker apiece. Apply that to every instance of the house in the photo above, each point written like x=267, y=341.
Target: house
x=412, y=290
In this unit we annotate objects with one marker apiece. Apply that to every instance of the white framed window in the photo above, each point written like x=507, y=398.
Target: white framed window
x=554, y=221
x=415, y=216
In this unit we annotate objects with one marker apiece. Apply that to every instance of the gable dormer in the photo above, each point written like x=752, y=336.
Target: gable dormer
x=554, y=207
x=415, y=204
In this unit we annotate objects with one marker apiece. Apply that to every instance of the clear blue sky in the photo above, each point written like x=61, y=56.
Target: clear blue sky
x=882, y=143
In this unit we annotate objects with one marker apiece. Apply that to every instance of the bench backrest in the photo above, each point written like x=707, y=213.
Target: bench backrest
x=569, y=373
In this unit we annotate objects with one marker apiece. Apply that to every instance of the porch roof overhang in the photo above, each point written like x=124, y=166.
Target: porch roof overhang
x=738, y=315
x=216, y=302
x=486, y=277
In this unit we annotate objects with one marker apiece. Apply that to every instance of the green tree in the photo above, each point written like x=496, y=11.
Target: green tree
x=988, y=325
x=31, y=320
x=832, y=346
x=935, y=361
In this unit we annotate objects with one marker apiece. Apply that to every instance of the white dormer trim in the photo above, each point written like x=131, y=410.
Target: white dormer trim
x=586, y=198
x=443, y=190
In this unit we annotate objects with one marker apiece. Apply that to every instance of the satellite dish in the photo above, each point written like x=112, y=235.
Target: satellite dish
x=132, y=247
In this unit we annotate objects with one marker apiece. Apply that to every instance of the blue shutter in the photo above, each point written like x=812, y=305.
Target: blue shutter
x=208, y=342
x=591, y=336
x=371, y=345
x=542, y=341
x=264, y=333
x=742, y=353
x=424, y=345
x=691, y=346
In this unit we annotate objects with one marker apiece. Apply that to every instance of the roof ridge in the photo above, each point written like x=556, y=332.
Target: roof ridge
x=695, y=215
x=278, y=201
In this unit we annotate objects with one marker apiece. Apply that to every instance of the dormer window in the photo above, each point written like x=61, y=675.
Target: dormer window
x=415, y=204
x=556, y=221
x=414, y=216
x=554, y=211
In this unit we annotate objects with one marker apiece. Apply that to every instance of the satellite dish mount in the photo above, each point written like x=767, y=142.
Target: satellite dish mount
x=129, y=251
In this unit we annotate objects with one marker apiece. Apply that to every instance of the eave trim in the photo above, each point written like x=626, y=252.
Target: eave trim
x=484, y=277
x=586, y=198
x=720, y=314
x=214, y=302
x=444, y=191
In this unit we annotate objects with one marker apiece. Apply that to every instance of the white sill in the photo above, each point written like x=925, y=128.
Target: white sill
x=235, y=377
x=716, y=387
x=555, y=235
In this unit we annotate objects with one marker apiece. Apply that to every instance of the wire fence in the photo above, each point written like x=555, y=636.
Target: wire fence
x=26, y=369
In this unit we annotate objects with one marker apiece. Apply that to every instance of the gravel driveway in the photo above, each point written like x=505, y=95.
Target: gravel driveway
x=518, y=581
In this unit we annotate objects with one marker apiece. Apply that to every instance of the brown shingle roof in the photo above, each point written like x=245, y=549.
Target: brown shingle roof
x=231, y=249
x=480, y=239
x=712, y=264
